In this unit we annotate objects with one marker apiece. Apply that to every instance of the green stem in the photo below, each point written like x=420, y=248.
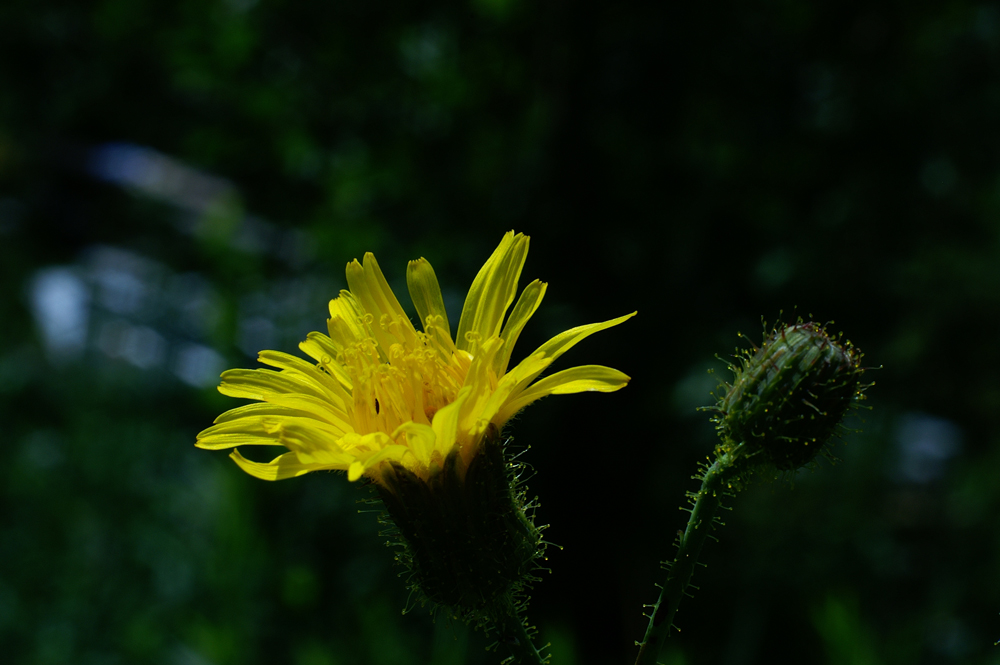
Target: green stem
x=515, y=636
x=715, y=482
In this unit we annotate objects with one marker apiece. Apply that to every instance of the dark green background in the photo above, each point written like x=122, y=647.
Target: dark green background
x=705, y=163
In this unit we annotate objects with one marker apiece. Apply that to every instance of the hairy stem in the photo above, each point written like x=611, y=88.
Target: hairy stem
x=515, y=637
x=715, y=482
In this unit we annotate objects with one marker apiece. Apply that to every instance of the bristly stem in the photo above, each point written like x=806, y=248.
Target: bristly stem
x=715, y=483
x=514, y=635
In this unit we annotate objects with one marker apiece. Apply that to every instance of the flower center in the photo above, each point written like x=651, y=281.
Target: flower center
x=408, y=382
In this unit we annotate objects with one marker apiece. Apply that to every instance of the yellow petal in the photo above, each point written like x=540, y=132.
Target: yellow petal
x=287, y=389
x=242, y=436
x=299, y=368
x=492, y=292
x=307, y=405
x=389, y=453
x=322, y=349
x=445, y=423
x=544, y=355
x=526, y=305
x=425, y=292
x=258, y=409
x=309, y=437
x=481, y=382
x=574, y=380
x=349, y=324
x=326, y=459
x=319, y=347
x=369, y=444
x=260, y=383
x=420, y=439
x=355, y=471
x=295, y=433
x=284, y=466
x=346, y=324
x=390, y=324
x=379, y=289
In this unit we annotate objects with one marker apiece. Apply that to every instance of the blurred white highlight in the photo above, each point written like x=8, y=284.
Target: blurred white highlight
x=60, y=302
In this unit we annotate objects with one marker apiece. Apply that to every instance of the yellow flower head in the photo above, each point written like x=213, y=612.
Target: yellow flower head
x=381, y=391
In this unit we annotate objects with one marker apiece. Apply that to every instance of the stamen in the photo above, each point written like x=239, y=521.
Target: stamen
x=473, y=338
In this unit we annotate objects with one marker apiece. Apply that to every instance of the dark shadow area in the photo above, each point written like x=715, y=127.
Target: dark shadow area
x=181, y=185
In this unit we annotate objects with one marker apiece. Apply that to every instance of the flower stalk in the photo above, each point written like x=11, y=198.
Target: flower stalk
x=516, y=636
x=787, y=400
x=715, y=484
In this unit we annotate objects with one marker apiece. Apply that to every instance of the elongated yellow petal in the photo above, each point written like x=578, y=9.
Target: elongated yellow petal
x=326, y=458
x=242, y=436
x=526, y=305
x=310, y=438
x=283, y=466
x=260, y=383
x=573, y=380
x=349, y=324
x=342, y=420
x=270, y=430
x=543, y=356
x=365, y=444
x=420, y=439
x=373, y=315
x=394, y=452
x=285, y=389
x=564, y=341
x=492, y=292
x=322, y=349
x=346, y=324
x=426, y=294
x=259, y=409
x=445, y=423
x=300, y=369
x=481, y=382
x=389, y=325
x=386, y=300
x=319, y=347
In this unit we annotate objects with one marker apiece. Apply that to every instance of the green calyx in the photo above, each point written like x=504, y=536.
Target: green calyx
x=788, y=397
x=468, y=538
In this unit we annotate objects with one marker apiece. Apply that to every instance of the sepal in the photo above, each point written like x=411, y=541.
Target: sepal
x=467, y=535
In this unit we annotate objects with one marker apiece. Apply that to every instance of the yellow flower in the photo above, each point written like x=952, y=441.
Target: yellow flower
x=381, y=391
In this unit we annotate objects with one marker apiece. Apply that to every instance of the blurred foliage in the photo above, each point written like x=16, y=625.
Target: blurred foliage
x=705, y=164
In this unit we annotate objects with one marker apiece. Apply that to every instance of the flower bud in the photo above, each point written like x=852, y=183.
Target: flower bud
x=788, y=397
x=466, y=533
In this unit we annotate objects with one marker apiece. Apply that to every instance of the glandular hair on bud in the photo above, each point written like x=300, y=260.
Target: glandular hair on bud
x=789, y=396
x=466, y=535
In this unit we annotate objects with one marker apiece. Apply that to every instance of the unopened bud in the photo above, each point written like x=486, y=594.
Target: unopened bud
x=788, y=397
